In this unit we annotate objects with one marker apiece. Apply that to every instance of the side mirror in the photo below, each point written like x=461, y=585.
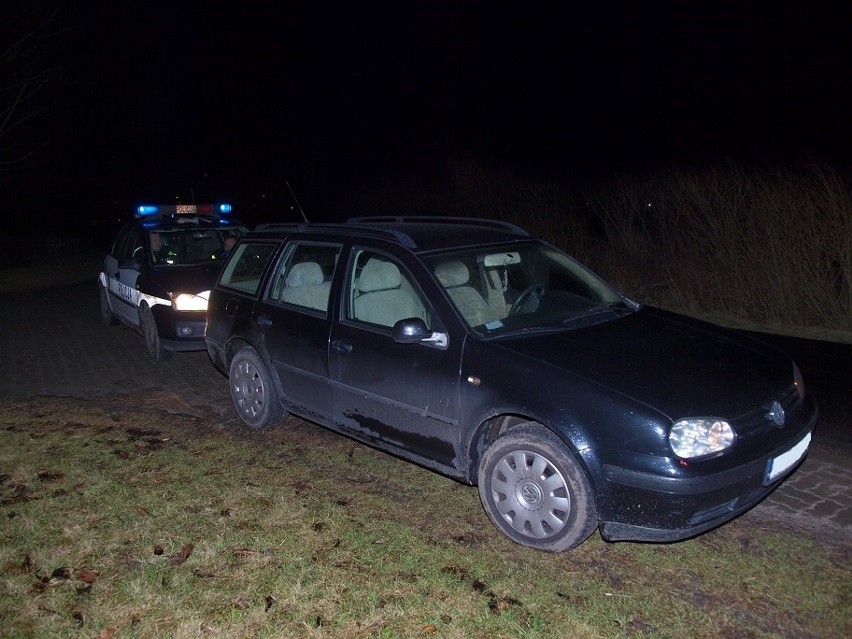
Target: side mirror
x=414, y=331
x=410, y=331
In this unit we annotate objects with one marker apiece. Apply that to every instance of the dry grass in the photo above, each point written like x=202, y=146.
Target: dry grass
x=769, y=247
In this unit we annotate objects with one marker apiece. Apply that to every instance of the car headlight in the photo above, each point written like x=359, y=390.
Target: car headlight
x=189, y=302
x=697, y=437
x=798, y=381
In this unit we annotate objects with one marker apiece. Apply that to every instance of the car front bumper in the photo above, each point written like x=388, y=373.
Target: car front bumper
x=180, y=330
x=647, y=507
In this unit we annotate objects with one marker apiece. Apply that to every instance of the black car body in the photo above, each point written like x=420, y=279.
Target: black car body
x=514, y=368
x=159, y=270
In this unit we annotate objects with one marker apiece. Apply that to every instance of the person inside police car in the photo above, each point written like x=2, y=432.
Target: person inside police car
x=160, y=252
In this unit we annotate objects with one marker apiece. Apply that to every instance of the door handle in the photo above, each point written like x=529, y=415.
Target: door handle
x=264, y=321
x=342, y=346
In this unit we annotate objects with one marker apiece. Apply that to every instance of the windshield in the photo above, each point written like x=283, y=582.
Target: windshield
x=192, y=245
x=527, y=288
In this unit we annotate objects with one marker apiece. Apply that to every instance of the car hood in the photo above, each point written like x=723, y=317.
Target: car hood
x=674, y=364
x=185, y=279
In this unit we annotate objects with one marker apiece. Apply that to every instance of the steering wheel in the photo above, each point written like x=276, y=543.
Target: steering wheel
x=537, y=290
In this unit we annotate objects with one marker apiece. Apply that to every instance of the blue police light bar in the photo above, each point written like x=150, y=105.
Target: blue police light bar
x=170, y=210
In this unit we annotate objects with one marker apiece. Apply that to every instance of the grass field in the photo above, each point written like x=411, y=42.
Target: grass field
x=121, y=521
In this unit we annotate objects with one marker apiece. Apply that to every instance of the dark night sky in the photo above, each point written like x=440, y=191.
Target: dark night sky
x=229, y=99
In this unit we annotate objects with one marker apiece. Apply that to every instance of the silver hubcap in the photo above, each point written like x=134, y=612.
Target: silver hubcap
x=530, y=494
x=247, y=388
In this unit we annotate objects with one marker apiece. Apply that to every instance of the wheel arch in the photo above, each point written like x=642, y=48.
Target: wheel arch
x=231, y=349
x=493, y=427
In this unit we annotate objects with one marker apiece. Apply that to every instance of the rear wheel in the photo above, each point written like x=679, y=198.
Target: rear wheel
x=156, y=351
x=106, y=312
x=535, y=492
x=253, y=392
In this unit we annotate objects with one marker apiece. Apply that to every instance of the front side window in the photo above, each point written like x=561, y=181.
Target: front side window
x=525, y=287
x=245, y=270
x=381, y=292
x=303, y=277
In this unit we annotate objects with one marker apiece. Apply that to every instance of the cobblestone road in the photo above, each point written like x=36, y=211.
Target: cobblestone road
x=52, y=343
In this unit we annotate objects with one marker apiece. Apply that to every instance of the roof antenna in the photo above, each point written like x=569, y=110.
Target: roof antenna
x=295, y=199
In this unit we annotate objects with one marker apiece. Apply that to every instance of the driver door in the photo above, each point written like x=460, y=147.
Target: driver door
x=402, y=395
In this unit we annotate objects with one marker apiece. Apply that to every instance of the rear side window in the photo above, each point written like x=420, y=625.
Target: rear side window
x=303, y=278
x=245, y=270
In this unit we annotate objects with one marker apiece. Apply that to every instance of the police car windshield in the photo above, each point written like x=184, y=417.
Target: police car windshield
x=185, y=246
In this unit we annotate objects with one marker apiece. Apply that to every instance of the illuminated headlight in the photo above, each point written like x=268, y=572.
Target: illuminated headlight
x=188, y=302
x=798, y=381
x=701, y=436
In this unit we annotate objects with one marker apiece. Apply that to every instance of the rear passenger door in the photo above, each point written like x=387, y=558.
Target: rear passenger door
x=122, y=273
x=294, y=316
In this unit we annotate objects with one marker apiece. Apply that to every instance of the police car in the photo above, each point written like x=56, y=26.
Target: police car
x=158, y=273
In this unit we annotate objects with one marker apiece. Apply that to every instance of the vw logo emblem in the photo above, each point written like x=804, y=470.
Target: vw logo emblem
x=776, y=413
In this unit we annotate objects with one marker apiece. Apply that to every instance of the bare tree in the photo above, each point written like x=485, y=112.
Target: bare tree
x=31, y=34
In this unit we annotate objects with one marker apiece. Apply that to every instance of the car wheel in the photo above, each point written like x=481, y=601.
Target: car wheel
x=534, y=492
x=253, y=392
x=106, y=312
x=153, y=343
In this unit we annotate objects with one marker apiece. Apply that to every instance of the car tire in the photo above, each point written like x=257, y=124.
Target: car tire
x=534, y=491
x=106, y=312
x=156, y=351
x=253, y=391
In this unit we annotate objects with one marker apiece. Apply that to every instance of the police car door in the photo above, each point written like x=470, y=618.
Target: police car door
x=122, y=271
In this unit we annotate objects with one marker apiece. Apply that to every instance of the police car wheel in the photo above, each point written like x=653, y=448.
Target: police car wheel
x=252, y=391
x=156, y=350
x=106, y=313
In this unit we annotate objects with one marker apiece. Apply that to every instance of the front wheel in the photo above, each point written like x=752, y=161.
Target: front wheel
x=106, y=312
x=253, y=392
x=153, y=343
x=534, y=492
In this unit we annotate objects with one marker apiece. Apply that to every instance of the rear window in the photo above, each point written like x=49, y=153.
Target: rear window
x=244, y=271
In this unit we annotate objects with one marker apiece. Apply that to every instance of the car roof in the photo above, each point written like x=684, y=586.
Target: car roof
x=420, y=234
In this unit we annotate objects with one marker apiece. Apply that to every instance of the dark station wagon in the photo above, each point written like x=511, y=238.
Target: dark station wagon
x=476, y=350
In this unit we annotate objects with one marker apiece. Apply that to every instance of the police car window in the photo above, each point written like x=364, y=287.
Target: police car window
x=117, y=248
x=132, y=248
x=245, y=270
x=303, y=277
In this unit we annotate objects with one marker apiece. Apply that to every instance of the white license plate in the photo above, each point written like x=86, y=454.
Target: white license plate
x=785, y=461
